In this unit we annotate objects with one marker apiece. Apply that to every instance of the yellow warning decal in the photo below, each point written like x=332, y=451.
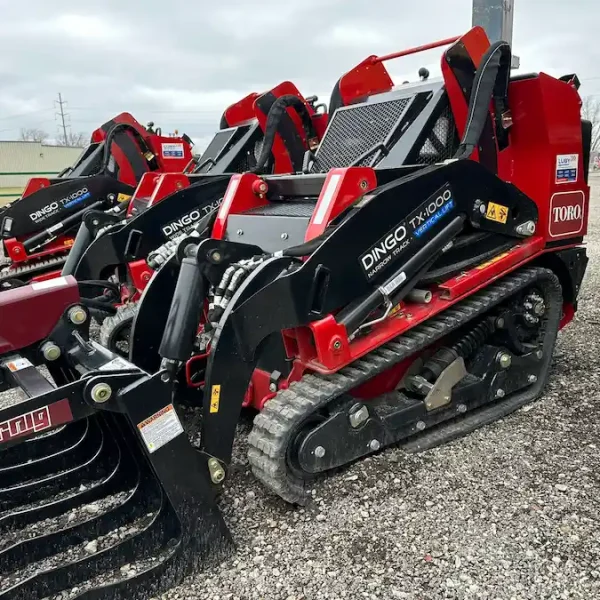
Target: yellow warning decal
x=215, y=398
x=492, y=261
x=123, y=197
x=497, y=212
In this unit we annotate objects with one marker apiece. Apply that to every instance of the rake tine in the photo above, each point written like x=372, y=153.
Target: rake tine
x=121, y=476
x=53, y=462
x=41, y=447
x=152, y=537
x=53, y=484
x=137, y=503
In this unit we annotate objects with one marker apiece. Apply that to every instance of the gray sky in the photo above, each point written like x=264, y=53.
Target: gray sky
x=180, y=64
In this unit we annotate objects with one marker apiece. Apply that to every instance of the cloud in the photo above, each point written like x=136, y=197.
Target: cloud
x=347, y=35
x=180, y=64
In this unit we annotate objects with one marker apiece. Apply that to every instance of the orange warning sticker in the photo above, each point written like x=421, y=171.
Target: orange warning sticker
x=497, y=212
x=215, y=398
x=160, y=428
x=17, y=364
x=486, y=264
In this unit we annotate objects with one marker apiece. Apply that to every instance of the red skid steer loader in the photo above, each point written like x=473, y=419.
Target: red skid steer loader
x=38, y=229
x=417, y=295
x=115, y=255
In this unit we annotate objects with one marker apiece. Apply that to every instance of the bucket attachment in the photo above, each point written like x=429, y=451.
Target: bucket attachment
x=101, y=493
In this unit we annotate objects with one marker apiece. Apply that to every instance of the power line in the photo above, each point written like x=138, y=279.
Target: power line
x=61, y=114
x=25, y=114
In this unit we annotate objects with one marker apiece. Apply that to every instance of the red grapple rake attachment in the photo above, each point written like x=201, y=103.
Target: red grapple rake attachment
x=101, y=493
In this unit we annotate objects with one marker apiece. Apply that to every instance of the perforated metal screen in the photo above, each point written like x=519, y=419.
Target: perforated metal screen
x=355, y=130
x=442, y=142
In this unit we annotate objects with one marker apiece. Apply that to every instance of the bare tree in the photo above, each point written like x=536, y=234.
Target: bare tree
x=73, y=139
x=33, y=135
x=590, y=111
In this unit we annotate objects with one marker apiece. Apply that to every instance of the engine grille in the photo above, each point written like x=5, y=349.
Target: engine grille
x=247, y=161
x=356, y=129
x=285, y=209
x=442, y=142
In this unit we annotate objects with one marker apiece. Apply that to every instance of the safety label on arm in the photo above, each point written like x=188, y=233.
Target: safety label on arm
x=160, y=428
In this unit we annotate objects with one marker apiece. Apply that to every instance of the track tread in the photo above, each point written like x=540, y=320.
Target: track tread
x=282, y=416
x=125, y=313
x=30, y=269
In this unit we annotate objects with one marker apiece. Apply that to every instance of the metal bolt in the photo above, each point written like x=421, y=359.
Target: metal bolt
x=111, y=197
x=530, y=319
x=527, y=228
x=500, y=322
x=319, y=452
x=240, y=232
x=482, y=209
x=273, y=387
x=539, y=309
x=421, y=425
x=539, y=354
x=462, y=408
x=363, y=184
x=284, y=236
x=101, y=392
x=50, y=351
x=504, y=359
x=375, y=445
x=165, y=377
x=337, y=344
x=477, y=203
x=96, y=222
x=532, y=378
x=189, y=250
x=358, y=417
x=500, y=393
x=215, y=256
x=215, y=470
x=77, y=315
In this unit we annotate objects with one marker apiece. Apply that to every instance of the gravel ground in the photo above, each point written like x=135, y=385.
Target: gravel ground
x=509, y=512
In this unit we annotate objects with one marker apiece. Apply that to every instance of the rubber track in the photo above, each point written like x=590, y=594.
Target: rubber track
x=281, y=416
x=42, y=265
x=125, y=313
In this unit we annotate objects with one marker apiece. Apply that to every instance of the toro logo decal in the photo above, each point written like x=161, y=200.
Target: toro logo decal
x=567, y=214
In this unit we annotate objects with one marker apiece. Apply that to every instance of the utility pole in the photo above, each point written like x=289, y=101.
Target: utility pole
x=62, y=115
x=496, y=17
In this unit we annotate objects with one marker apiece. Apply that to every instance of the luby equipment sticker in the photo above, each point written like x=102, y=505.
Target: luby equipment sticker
x=172, y=150
x=566, y=168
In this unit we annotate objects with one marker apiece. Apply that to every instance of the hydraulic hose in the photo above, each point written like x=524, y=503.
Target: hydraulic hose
x=109, y=140
x=491, y=81
x=276, y=113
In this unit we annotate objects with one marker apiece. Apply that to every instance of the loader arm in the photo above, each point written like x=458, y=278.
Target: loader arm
x=151, y=228
x=402, y=226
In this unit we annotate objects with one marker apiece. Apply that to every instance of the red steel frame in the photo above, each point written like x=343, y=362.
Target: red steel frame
x=547, y=124
x=14, y=246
